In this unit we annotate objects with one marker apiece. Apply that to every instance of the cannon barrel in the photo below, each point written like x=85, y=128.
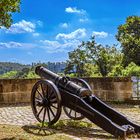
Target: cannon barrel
x=62, y=82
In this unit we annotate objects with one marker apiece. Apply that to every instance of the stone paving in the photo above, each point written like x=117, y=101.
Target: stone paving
x=22, y=114
x=16, y=115
x=132, y=112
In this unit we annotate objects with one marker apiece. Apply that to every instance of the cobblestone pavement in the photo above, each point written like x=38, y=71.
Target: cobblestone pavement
x=16, y=115
x=22, y=114
x=132, y=112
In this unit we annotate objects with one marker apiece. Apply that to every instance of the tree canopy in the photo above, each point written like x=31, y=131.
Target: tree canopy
x=129, y=37
x=75, y=63
x=102, y=57
x=7, y=7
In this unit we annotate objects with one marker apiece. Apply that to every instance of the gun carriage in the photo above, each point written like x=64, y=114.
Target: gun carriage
x=75, y=95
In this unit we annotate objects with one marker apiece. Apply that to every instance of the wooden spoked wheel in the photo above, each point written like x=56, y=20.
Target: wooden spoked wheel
x=72, y=114
x=46, y=102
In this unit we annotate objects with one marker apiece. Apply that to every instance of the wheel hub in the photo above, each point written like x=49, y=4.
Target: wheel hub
x=45, y=102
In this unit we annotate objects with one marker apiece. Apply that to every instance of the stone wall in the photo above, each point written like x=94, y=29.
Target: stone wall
x=111, y=89
x=108, y=89
x=16, y=90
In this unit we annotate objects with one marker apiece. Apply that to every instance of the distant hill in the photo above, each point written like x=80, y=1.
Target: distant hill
x=57, y=67
x=9, y=66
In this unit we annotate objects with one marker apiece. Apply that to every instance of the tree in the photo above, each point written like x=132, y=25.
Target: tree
x=31, y=74
x=117, y=71
x=129, y=37
x=8, y=75
x=7, y=7
x=76, y=61
x=91, y=70
x=131, y=70
x=23, y=73
x=105, y=57
x=90, y=56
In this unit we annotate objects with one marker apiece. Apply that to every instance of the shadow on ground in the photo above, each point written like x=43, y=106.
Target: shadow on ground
x=69, y=127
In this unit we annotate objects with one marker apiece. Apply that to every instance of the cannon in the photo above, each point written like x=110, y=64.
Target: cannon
x=53, y=92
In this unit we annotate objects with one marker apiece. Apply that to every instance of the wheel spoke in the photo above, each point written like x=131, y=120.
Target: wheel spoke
x=48, y=114
x=54, y=100
x=38, y=99
x=54, y=106
x=75, y=114
x=38, y=103
x=70, y=111
x=50, y=95
x=42, y=90
x=39, y=112
x=44, y=115
x=51, y=111
x=39, y=93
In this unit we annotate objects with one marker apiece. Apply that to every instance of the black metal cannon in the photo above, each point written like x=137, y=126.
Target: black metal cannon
x=50, y=94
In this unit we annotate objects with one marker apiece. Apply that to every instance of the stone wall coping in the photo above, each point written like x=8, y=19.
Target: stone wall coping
x=108, y=79
x=100, y=79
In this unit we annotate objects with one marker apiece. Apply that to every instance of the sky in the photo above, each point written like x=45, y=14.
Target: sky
x=46, y=30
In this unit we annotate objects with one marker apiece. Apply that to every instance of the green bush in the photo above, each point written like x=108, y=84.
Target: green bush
x=31, y=74
x=116, y=71
x=9, y=75
x=131, y=70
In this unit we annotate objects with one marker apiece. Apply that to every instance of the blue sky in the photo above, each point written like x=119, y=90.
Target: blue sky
x=47, y=30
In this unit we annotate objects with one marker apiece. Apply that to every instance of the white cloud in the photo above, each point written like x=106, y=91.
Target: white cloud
x=64, y=25
x=10, y=45
x=21, y=27
x=84, y=20
x=36, y=34
x=39, y=23
x=77, y=34
x=55, y=46
x=47, y=45
x=75, y=10
x=100, y=34
x=50, y=44
x=18, y=45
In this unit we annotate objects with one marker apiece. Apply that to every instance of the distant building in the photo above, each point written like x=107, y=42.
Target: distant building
x=57, y=67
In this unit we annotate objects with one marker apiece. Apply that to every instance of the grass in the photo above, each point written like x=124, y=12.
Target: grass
x=62, y=130
x=9, y=132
